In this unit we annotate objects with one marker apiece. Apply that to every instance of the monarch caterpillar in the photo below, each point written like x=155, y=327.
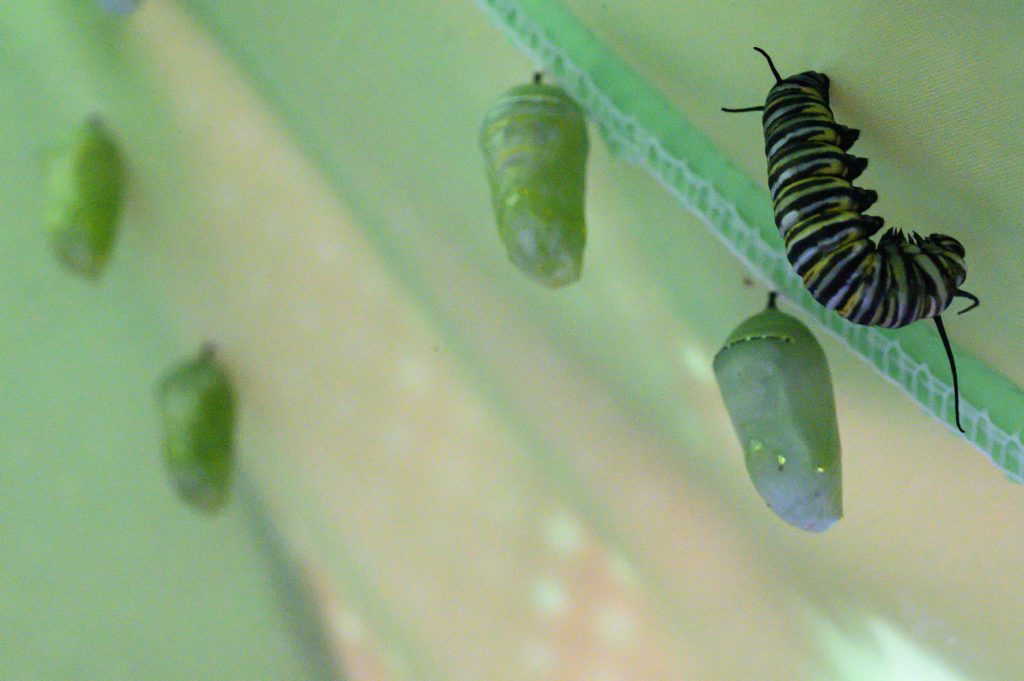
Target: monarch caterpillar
x=534, y=142
x=197, y=413
x=84, y=199
x=776, y=386
x=818, y=210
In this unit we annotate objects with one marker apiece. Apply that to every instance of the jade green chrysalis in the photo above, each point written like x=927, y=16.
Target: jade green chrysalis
x=197, y=414
x=534, y=142
x=776, y=385
x=85, y=194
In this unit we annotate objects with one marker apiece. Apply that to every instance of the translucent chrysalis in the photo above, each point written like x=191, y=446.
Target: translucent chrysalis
x=84, y=199
x=776, y=385
x=197, y=414
x=534, y=142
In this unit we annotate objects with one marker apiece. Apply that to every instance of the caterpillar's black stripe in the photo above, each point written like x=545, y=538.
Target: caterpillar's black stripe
x=819, y=212
x=814, y=160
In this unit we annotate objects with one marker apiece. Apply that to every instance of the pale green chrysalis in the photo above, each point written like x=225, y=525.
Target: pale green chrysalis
x=86, y=189
x=197, y=414
x=534, y=142
x=776, y=385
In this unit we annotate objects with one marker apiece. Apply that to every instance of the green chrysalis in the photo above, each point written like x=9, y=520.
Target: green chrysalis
x=777, y=389
x=197, y=413
x=85, y=194
x=534, y=142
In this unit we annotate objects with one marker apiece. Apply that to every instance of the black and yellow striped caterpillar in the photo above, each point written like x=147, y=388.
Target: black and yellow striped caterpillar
x=818, y=210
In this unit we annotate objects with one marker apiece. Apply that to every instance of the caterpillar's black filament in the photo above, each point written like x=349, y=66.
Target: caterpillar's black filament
x=820, y=214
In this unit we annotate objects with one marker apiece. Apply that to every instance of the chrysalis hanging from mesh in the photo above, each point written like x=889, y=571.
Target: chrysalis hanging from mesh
x=776, y=385
x=197, y=412
x=84, y=199
x=534, y=141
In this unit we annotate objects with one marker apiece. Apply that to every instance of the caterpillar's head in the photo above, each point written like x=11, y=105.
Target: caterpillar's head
x=946, y=244
x=938, y=257
x=945, y=249
x=950, y=253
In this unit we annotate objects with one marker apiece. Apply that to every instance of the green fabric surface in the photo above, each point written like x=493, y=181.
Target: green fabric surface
x=103, y=573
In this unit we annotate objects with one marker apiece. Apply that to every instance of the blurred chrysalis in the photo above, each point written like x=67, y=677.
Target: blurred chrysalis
x=776, y=385
x=197, y=413
x=534, y=142
x=84, y=199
